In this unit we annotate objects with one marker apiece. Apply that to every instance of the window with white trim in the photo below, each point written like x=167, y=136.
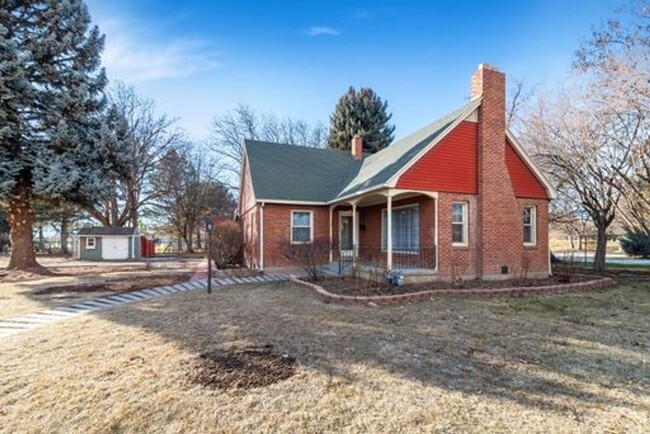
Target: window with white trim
x=301, y=227
x=459, y=224
x=406, y=228
x=91, y=242
x=530, y=225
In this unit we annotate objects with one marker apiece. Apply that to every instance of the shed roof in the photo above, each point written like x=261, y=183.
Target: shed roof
x=103, y=230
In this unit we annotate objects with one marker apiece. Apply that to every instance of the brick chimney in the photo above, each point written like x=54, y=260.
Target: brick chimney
x=357, y=147
x=500, y=233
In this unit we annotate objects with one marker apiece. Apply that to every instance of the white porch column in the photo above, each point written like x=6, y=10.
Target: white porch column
x=389, y=232
x=355, y=233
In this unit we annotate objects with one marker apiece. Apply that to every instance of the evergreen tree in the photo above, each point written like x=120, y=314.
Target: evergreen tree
x=51, y=101
x=361, y=112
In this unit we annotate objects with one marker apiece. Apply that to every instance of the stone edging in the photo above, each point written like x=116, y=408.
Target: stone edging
x=329, y=297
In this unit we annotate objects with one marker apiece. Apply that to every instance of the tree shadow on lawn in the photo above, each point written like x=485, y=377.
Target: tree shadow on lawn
x=519, y=350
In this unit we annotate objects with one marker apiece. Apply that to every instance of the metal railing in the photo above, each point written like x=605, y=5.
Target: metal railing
x=413, y=258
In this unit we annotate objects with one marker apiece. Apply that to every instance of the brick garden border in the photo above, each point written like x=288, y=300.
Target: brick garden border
x=380, y=300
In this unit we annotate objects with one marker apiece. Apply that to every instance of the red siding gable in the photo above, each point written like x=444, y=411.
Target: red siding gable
x=451, y=166
x=524, y=182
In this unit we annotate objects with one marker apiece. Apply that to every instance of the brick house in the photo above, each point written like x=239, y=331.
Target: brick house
x=461, y=195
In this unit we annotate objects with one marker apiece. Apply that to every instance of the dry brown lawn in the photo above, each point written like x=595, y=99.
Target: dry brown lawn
x=568, y=363
x=20, y=298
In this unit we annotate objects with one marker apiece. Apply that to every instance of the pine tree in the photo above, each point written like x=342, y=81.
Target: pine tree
x=51, y=101
x=361, y=112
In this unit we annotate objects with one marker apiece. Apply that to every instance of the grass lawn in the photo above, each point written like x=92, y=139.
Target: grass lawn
x=20, y=298
x=566, y=363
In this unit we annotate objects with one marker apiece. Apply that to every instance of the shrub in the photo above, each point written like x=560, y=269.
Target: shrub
x=227, y=238
x=636, y=243
x=309, y=256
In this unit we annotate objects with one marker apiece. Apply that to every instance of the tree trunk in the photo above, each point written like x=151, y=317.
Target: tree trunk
x=21, y=218
x=198, y=238
x=41, y=239
x=190, y=241
x=64, y=235
x=114, y=218
x=133, y=206
x=601, y=248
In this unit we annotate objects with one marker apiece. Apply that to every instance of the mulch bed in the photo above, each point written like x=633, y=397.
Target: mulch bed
x=361, y=287
x=235, y=272
x=116, y=286
x=241, y=369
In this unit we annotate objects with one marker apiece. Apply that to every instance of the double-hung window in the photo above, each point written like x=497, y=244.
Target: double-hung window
x=459, y=224
x=301, y=227
x=90, y=242
x=530, y=225
x=405, y=229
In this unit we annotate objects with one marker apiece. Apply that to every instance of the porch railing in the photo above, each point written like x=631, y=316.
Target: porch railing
x=419, y=258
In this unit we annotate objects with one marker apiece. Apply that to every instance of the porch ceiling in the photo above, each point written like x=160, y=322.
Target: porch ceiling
x=380, y=197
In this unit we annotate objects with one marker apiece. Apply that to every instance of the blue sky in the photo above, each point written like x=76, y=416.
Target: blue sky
x=197, y=59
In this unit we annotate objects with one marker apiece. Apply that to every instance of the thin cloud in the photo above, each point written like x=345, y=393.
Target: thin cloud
x=132, y=57
x=322, y=31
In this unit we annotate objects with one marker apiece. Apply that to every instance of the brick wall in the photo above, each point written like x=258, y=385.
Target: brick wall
x=501, y=241
x=456, y=261
x=535, y=258
x=249, y=212
x=277, y=230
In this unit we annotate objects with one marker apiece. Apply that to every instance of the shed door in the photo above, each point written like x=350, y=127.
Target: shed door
x=115, y=248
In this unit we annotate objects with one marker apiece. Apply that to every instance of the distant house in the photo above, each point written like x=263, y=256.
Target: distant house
x=108, y=244
x=461, y=197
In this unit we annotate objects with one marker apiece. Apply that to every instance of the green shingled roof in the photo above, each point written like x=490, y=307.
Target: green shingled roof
x=289, y=172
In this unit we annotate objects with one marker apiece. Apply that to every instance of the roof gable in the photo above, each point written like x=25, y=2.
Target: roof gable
x=379, y=168
x=450, y=166
x=526, y=173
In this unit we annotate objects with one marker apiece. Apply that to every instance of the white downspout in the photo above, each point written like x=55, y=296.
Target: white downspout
x=550, y=264
x=262, y=237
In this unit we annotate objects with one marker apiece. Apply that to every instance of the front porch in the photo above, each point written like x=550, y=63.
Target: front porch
x=359, y=235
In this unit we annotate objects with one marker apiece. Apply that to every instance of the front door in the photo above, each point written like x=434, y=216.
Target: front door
x=346, y=233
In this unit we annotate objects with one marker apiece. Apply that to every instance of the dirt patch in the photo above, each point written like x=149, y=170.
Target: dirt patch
x=362, y=287
x=241, y=369
x=25, y=275
x=116, y=286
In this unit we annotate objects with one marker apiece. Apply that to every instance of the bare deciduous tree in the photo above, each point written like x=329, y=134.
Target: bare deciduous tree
x=230, y=129
x=190, y=191
x=519, y=95
x=577, y=139
x=617, y=61
x=145, y=137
